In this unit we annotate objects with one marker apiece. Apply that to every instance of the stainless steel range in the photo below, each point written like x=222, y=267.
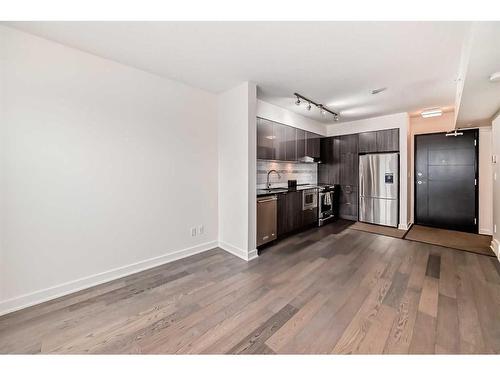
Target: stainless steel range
x=328, y=205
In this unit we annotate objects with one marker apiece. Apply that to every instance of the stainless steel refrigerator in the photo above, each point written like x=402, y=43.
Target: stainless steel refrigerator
x=379, y=189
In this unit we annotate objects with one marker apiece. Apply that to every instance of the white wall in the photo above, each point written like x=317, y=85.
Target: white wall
x=485, y=182
x=495, y=244
x=104, y=169
x=400, y=121
x=284, y=116
x=237, y=170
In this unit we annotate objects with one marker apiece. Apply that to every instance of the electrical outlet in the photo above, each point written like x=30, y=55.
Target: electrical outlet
x=201, y=229
x=193, y=232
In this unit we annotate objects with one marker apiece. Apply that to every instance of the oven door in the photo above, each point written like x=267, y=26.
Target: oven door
x=309, y=199
x=326, y=204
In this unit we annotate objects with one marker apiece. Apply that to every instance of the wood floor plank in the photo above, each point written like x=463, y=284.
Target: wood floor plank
x=378, y=332
x=398, y=287
x=298, y=322
x=254, y=342
x=471, y=336
x=447, y=333
x=424, y=335
x=401, y=333
x=429, y=297
x=448, y=274
x=417, y=275
x=356, y=331
x=433, y=266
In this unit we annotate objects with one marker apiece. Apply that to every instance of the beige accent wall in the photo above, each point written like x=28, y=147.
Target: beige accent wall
x=420, y=125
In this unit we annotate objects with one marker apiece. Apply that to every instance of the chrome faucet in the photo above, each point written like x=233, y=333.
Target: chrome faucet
x=268, y=173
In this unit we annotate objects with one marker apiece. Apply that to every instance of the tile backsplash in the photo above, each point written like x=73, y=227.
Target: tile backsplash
x=304, y=173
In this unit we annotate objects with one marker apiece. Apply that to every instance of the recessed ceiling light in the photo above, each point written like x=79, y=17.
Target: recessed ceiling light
x=379, y=90
x=431, y=112
x=495, y=77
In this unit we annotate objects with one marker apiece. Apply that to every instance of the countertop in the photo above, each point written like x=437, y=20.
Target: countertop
x=265, y=192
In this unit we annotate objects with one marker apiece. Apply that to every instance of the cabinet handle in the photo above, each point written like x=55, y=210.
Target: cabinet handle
x=267, y=200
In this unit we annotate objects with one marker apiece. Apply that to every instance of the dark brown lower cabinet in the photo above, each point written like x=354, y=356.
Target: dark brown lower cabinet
x=309, y=217
x=294, y=210
x=282, y=216
x=348, y=202
x=291, y=217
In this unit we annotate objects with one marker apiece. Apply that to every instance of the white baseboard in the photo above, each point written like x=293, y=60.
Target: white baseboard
x=404, y=226
x=252, y=254
x=43, y=295
x=486, y=231
x=245, y=255
x=495, y=246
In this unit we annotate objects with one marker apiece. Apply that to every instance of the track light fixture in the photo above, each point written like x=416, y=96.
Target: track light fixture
x=323, y=110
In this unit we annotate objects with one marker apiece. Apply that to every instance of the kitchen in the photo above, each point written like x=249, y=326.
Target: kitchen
x=306, y=180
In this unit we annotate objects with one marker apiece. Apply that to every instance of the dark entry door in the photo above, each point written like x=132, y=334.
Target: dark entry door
x=446, y=181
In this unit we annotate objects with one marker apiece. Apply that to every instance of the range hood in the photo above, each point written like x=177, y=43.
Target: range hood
x=308, y=159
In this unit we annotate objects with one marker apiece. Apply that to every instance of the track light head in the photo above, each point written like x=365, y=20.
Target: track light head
x=297, y=101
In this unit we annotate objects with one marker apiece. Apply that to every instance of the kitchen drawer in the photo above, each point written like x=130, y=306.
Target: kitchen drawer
x=310, y=216
x=348, y=208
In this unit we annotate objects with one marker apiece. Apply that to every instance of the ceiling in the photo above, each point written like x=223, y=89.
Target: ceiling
x=480, y=97
x=334, y=63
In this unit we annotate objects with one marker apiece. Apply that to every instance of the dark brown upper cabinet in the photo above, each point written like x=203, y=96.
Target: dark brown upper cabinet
x=349, y=144
x=279, y=141
x=276, y=141
x=312, y=145
x=291, y=143
x=367, y=142
x=379, y=141
x=326, y=150
x=349, y=160
x=301, y=143
x=265, y=136
x=329, y=169
x=388, y=140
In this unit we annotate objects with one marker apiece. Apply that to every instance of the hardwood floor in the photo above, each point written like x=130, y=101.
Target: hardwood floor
x=327, y=290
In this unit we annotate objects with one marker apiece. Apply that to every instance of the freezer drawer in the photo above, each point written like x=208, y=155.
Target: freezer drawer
x=378, y=211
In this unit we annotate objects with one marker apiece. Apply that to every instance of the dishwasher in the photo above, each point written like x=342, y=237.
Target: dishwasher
x=266, y=219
